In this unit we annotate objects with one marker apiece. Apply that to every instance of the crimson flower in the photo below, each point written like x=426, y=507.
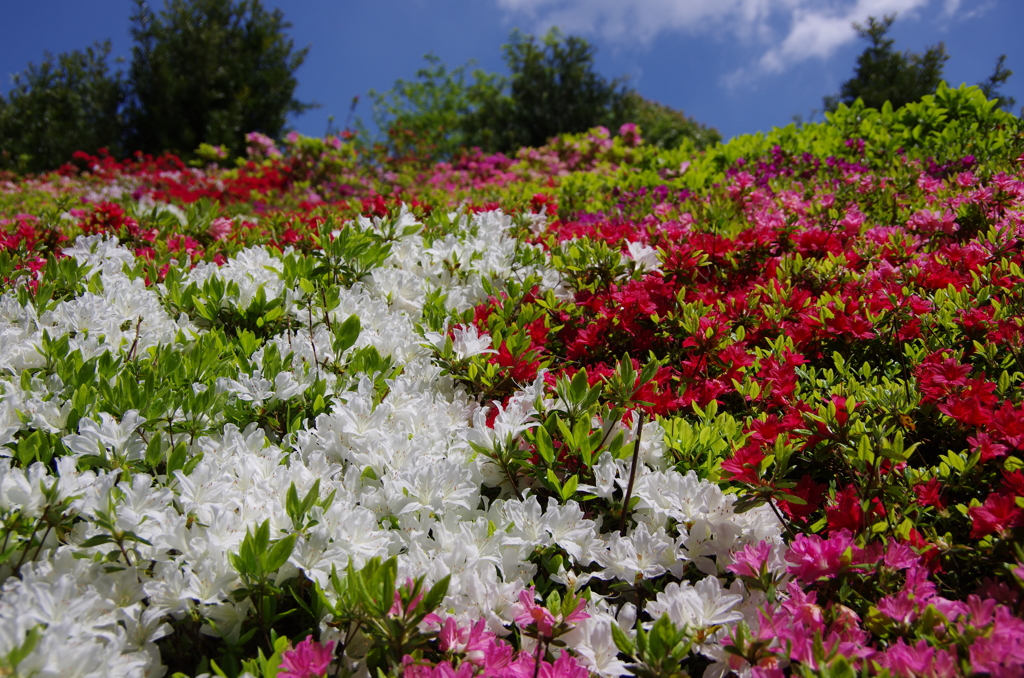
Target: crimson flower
x=998, y=514
x=930, y=494
x=744, y=465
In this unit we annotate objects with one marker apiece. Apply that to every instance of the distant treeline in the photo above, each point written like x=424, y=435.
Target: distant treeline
x=210, y=71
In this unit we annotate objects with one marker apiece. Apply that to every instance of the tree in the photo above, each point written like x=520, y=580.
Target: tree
x=883, y=74
x=990, y=86
x=65, y=104
x=554, y=90
x=428, y=118
x=210, y=71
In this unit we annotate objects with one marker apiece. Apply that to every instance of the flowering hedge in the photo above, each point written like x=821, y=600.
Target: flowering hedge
x=597, y=409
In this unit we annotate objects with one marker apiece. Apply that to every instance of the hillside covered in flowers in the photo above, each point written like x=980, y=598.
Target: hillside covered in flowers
x=597, y=408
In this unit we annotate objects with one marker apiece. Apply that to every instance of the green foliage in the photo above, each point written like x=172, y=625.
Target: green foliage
x=65, y=104
x=369, y=600
x=946, y=125
x=210, y=71
x=203, y=71
x=256, y=562
x=658, y=653
x=667, y=127
x=434, y=116
x=553, y=90
x=883, y=74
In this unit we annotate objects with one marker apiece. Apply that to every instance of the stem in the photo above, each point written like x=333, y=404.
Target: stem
x=785, y=525
x=258, y=609
x=515, y=487
x=537, y=657
x=7, y=537
x=615, y=416
x=21, y=560
x=127, y=559
x=312, y=342
x=327, y=316
x=632, y=472
x=41, y=541
x=135, y=344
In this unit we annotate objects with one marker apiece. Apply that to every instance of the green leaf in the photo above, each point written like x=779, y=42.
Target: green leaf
x=569, y=488
x=545, y=448
x=176, y=461
x=553, y=481
x=278, y=554
x=436, y=594
x=622, y=641
x=345, y=335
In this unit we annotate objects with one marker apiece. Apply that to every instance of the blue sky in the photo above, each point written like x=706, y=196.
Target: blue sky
x=740, y=65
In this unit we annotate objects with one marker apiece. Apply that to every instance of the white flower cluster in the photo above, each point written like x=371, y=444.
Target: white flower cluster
x=404, y=477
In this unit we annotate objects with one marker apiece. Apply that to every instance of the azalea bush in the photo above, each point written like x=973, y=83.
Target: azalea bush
x=599, y=408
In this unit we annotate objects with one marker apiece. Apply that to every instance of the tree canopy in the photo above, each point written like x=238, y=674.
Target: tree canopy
x=67, y=103
x=210, y=71
x=884, y=74
x=552, y=88
x=990, y=85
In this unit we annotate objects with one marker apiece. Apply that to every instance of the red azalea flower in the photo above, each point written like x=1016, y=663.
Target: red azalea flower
x=983, y=444
x=846, y=512
x=966, y=411
x=998, y=514
x=744, y=466
x=938, y=376
x=811, y=492
x=1014, y=482
x=930, y=494
x=522, y=368
x=1008, y=423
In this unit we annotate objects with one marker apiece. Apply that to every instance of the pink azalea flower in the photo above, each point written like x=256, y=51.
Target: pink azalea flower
x=563, y=667
x=220, y=228
x=920, y=659
x=749, y=560
x=546, y=622
x=812, y=557
x=533, y=613
x=900, y=556
x=309, y=659
x=472, y=641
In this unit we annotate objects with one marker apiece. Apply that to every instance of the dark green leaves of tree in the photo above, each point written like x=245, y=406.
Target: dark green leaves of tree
x=201, y=71
x=883, y=74
x=210, y=71
x=552, y=89
x=65, y=104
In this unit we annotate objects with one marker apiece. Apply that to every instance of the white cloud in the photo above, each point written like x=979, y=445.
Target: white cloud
x=785, y=32
x=814, y=32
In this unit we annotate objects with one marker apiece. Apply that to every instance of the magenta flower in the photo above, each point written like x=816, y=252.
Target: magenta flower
x=563, y=667
x=412, y=669
x=309, y=659
x=920, y=659
x=749, y=560
x=900, y=556
x=812, y=557
x=473, y=641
